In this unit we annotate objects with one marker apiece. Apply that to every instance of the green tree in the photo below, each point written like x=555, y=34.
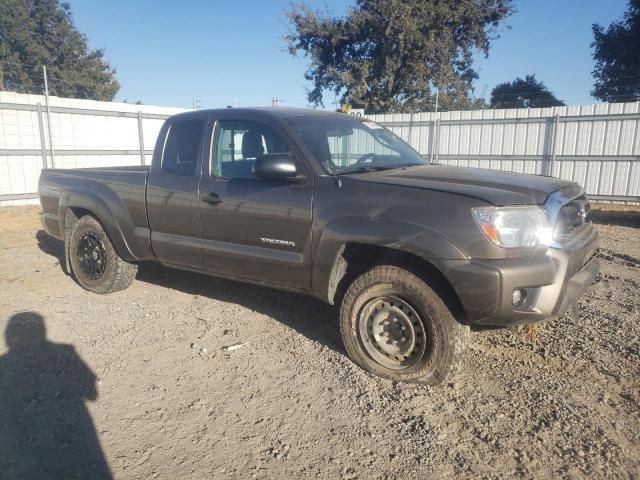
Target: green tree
x=34, y=33
x=527, y=93
x=390, y=55
x=617, y=56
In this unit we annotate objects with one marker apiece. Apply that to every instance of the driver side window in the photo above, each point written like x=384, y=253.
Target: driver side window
x=239, y=143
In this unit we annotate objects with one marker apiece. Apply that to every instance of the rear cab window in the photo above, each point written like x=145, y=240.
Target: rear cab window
x=182, y=147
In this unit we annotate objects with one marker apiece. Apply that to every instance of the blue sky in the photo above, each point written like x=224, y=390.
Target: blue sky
x=223, y=52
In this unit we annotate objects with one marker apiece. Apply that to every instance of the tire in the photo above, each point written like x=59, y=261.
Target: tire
x=94, y=262
x=388, y=304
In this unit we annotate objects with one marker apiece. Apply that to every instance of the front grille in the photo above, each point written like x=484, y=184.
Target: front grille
x=571, y=217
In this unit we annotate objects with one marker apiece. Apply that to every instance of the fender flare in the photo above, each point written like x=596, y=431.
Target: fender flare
x=329, y=265
x=108, y=209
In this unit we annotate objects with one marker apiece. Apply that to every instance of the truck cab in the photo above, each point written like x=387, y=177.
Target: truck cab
x=209, y=211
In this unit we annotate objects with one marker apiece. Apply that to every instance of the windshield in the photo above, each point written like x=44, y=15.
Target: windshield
x=347, y=145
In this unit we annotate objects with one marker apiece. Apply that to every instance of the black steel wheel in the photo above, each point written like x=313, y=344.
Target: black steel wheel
x=393, y=324
x=92, y=257
x=95, y=264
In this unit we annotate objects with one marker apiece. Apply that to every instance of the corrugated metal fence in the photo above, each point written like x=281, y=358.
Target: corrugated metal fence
x=84, y=133
x=597, y=146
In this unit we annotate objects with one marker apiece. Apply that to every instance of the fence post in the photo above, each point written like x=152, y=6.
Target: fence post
x=141, y=138
x=431, y=133
x=436, y=145
x=410, y=128
x=435, y=124
x=43, y=146
x=552, y=145
x=46, y=99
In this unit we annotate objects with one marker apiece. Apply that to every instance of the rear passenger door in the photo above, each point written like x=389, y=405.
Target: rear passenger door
x=172, y=193
x=254, y=228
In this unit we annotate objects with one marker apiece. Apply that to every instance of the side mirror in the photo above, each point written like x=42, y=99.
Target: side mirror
x=275, y=166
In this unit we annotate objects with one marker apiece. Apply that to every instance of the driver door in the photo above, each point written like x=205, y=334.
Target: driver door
x=253, y=228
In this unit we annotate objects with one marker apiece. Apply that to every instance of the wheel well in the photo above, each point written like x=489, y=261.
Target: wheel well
x=73, y=214
x=354, y=259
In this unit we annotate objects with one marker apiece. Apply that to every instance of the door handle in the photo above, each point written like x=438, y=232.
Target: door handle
x=211, y=198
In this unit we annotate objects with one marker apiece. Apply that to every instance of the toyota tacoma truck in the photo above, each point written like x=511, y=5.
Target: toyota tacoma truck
x=413, y=254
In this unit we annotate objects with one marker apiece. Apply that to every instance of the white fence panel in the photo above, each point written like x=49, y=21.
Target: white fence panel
x=596, y=145
x=84, y=133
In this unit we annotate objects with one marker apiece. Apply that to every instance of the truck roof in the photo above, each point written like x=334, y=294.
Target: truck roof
x=282, y=112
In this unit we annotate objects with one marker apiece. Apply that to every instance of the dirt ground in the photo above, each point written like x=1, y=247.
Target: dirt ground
x=153, y=393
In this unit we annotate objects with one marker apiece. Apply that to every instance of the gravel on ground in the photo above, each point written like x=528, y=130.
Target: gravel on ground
x=197, y=377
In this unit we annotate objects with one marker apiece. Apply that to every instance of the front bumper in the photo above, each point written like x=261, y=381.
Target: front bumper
x=556, y=276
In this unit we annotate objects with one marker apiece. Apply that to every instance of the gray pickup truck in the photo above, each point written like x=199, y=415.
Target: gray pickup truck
x=339, y=208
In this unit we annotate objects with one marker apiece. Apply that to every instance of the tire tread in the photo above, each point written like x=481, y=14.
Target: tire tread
x=457, y=335
x=122, y=273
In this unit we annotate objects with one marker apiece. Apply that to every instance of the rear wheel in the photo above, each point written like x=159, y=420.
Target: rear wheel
x=94, y=262
x=393, y=324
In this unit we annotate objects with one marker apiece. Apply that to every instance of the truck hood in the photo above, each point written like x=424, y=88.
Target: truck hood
x=492, y=186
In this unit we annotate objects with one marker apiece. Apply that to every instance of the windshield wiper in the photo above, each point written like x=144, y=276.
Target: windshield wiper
x=363, y=169
x=370, y=168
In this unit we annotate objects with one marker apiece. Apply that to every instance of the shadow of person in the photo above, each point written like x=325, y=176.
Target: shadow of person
x=46, y=431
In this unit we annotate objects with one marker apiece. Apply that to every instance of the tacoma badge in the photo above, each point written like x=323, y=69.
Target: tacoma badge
x=275, y=241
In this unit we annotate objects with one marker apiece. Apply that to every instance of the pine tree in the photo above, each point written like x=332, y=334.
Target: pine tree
x=34, y=33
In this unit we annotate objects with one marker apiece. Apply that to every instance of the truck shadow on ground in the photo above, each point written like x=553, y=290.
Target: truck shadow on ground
x=45, y=428
x=52, y=246
x=306, y=315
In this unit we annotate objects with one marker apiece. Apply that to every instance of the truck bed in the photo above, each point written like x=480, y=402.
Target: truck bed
x=126, y=169
x=118, y=193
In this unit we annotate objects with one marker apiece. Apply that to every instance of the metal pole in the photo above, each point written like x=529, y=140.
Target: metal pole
x=410, y=128
x=433, y=139
x=141, y=138
x=43, y=145
x=436, y=124
x=436, y=145
x=46, y=97
x=552, y=145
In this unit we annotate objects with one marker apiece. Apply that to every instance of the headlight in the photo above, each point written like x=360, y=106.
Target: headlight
x=514, y=227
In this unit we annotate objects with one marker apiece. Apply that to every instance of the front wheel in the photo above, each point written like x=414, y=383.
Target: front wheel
x=94, y=262
x=393, y=324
